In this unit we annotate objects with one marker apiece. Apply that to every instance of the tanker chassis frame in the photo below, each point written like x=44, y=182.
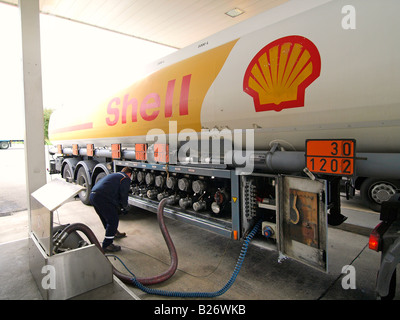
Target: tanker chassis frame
x=221, y=199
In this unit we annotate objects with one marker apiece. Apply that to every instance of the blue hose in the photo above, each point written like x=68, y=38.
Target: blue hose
x=201, y=294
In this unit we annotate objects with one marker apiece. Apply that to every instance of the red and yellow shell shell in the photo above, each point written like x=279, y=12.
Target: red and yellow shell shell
x=278, y=75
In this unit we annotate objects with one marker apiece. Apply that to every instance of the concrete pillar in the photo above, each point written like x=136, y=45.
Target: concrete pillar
x=35, y=162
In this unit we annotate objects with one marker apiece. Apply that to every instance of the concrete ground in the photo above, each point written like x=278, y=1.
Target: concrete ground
x=206, y=260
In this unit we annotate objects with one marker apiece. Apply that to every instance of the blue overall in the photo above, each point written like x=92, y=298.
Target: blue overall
x=106, y=196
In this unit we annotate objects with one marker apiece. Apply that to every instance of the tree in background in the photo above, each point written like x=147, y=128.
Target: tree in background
x=47, y=113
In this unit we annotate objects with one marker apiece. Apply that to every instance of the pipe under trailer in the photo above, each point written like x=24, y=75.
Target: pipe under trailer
x=224, y=199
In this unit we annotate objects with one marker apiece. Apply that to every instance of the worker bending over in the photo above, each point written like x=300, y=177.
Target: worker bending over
x=107, y=196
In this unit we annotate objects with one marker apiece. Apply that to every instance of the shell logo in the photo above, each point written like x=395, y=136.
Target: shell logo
x=279, y=74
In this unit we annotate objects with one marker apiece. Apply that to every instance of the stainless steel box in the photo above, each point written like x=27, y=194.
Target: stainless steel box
x=70, y=273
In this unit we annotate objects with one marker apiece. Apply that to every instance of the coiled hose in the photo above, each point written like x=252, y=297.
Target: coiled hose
x=124, y=278
x=172, y=253
x=214, y=294
x=141, y=283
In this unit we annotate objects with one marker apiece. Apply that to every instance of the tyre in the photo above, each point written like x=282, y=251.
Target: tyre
x=374, y=191
x=67, y=173
x=83, y=180
x=4, y=145
x=100, y=176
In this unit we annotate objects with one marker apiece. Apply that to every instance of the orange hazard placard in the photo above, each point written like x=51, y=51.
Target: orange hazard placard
x=331, y=157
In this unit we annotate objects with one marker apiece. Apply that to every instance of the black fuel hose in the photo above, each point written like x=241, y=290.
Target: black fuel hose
x=128, y=279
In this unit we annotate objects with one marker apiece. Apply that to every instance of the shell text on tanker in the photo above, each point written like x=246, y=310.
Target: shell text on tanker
x=149, y=108
x=279, y=74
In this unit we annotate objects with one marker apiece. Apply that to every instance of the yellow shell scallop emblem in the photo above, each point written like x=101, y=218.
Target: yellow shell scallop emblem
x=279, y=74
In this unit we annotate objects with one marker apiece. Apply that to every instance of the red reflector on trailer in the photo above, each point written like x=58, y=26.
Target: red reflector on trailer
x=374, y=242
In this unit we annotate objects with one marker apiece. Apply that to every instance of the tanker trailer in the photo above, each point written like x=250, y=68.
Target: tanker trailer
x=260, y=121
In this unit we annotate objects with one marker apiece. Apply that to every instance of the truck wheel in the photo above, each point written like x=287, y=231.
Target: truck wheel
x=83, y=180
x=375, y=191
x=4, y=145
x=67, y=173
x=100, y=176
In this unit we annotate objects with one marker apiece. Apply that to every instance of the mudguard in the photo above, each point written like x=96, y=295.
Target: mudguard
x=388, y=265
x=88, y=166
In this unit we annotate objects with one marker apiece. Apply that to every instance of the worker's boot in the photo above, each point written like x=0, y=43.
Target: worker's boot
x=120, y=235
x=112, y=248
